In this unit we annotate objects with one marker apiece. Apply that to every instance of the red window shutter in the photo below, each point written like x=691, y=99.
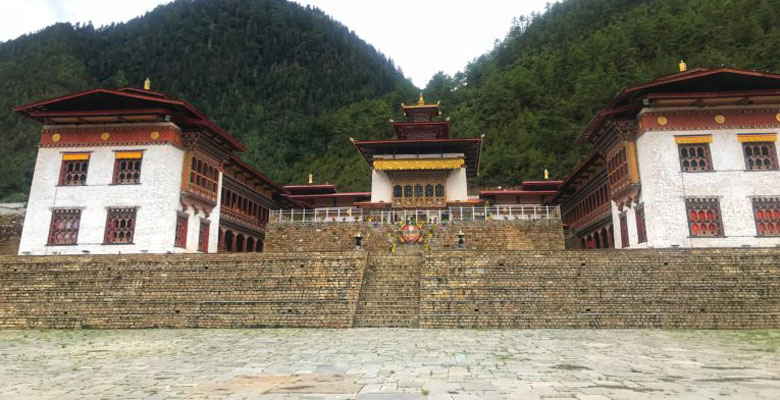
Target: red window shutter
x=181, y=232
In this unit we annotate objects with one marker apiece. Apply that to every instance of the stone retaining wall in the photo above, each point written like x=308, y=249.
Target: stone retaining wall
x=479, y=235
x=545, y=234
x=282, y=237
x=712, y=288
x=216, y=291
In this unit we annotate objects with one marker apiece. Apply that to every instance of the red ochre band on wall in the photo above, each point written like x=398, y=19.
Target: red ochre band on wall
x=109, y=136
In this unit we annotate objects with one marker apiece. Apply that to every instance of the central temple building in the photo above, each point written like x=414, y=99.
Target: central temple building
x=423, y=167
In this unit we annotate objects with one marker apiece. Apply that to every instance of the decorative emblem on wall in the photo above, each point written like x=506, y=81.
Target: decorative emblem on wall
x=105, y=136
x=154, y=135
x=56, y=137
x=410, y=234
x=662, y=120
x=719, y=119
x=777, y=117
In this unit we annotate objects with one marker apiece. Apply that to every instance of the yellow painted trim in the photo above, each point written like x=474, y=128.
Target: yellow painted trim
x=693, y=139
x=75, y=156
x=633, y=164
x=769, y=137
x=418, y=164
x=129, y=154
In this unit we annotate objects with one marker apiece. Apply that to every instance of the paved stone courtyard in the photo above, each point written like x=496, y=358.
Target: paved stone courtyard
x=378, y=364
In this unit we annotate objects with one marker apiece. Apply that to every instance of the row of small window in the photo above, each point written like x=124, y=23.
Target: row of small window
x=240, y=204
x=759, y=156
x=418, y=191
x=596, y=199
x=704, y=217
x=120, y=228
x=127, y=168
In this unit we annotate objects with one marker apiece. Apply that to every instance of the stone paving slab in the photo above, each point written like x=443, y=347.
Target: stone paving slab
x=398, y=364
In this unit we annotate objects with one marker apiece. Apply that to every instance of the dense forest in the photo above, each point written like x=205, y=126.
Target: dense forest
x=294, y=85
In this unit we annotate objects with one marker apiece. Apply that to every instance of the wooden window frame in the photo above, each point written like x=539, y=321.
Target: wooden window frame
x=771, y=157
x=624, y=238
x=713, y=216
x=83, y=163
x=766, y=212
x=203, y=235
x=119, y=169
x=706, y=156
x=57, y=235
x=131, y=214
x=641, y=227
x=180, y=232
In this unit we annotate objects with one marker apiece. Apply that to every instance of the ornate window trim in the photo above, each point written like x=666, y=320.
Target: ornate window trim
x=704, y=217
x=64, y=227
x=766, y=213
x=120, y=225
x=765, y=160
x=695, y=157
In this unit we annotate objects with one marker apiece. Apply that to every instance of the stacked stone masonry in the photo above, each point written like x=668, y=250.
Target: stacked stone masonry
x=544, y=234
x=479, y=235
x=215, y=291
x=701, y=288
x=390, y=296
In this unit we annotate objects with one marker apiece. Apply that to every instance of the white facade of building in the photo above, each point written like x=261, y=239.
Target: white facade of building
x=156, y=199
x=665, y=188
x=455, y=183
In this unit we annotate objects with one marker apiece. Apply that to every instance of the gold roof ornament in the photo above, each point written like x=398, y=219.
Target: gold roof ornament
x=421, y=102
x=546, y=174
x=311, y=179
x=148, y=84
x=683, y=66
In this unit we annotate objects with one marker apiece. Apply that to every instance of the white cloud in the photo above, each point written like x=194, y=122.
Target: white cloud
x=421, y=36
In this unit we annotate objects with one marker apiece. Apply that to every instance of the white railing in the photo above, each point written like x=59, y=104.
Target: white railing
x=457, y=213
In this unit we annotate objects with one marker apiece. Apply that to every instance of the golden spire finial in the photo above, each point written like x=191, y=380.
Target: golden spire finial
x=683, y=66
x=148, y=84
x=421, y=102
x=311, y=179
x=546, y=174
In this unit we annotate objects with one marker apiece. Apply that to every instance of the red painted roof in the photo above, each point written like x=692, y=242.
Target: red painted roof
x=310, y=189
x=471, y=147
x=255, y=173
x=329, y=195
x=516, y=192
x=733, y=80
x=182, y=112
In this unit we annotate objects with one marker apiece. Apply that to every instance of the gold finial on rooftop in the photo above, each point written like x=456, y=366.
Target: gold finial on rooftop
x=148, y=84
x=421, y=102
x=546, y=174
x=311, y=179
x=683, y=66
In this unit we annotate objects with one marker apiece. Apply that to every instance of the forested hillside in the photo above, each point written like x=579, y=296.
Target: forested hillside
x=294, y=85
x=271, y=72
x=534, y=93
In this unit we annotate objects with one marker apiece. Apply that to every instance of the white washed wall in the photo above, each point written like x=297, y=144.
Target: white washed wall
x=157, y=199
x=456, y=187
x=665, y=187
x=381, y=187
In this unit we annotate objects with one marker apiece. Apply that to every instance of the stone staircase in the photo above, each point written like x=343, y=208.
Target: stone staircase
x=390, y=295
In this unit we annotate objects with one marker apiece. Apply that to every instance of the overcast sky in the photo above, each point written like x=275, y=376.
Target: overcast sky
x=421, y=36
